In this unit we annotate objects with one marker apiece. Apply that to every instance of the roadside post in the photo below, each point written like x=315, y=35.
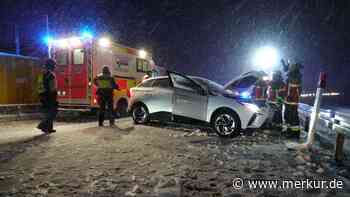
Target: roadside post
x=316, y=110
x=339, y=143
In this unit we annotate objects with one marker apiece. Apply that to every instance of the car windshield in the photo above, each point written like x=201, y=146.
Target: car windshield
x=212, y=86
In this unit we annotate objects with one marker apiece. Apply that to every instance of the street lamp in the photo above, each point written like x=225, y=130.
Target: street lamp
x=265, y=58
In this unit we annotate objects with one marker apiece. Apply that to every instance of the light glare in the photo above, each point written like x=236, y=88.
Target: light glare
x=104, y=42
x=266, y=57
x=142, y=54
x=75, y=42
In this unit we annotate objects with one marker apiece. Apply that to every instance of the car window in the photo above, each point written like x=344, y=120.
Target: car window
x=184, y=83
x=210, y=85
x=245, y=82
x=147, y=83
x=162, y=83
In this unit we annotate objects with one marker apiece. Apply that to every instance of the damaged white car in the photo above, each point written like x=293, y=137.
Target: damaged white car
x=196, y=98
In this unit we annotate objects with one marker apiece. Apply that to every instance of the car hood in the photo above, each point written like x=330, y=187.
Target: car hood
x=256, y=74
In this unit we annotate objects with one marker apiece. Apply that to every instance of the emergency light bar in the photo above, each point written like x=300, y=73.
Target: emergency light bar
x=76, y=41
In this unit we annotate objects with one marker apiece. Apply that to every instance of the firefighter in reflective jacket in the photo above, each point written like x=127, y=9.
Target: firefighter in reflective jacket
x=260, y=92
x=105, y=86
x=275, y=97
x=293, y=90
x=47, y=91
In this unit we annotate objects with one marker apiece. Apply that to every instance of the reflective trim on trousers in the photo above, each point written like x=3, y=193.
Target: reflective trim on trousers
x=291, y=103
x=294, y=128
x=294, y=85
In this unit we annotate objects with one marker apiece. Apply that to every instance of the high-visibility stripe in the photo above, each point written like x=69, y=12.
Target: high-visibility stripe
x=294, y=85
x=291, y=103
x=260, y=99
x=294, y=128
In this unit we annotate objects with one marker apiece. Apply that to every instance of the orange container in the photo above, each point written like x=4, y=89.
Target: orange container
x=18, y=75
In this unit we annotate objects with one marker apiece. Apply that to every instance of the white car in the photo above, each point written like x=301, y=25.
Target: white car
x=196, y=98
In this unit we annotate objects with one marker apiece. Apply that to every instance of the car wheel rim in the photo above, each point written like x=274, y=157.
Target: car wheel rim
x=140, y=114
x=225, y=124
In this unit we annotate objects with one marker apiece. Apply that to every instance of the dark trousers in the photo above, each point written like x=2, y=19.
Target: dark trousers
x=276, y=118
x=291, y=118
x=50, y=112
x=106, y=104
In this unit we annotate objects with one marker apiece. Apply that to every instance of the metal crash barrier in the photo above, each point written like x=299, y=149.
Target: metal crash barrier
x=334, y=126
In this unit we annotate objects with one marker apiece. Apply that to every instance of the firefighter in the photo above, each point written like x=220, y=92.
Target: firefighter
x=275, y=97
x=48, y=96
x=293, y=90
x=260, y=92
x=105, y=86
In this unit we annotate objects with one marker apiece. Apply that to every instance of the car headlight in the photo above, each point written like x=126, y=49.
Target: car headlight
x=254, y=108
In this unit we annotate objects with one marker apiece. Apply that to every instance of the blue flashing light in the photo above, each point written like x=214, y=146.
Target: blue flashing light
x=245, y=95
x=48, y=40
x=87, y=34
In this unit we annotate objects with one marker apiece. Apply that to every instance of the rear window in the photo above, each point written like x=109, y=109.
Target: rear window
x=162, y=83
x=147, y=83
x=61, y=57
x=78, y=56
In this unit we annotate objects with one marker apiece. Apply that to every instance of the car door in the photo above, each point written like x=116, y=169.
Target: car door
x=189, y=98
x=162, y=95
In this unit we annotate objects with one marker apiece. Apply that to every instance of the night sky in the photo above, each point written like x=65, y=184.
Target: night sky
x=213, y=38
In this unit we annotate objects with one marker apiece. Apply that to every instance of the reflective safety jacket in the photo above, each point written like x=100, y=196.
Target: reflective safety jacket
x=260, y=91
x=293, y=93
x=276, y=92
x=105, y=84
x=40, y=84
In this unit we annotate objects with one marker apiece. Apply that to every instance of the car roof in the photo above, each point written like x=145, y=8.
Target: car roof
x=156, y=78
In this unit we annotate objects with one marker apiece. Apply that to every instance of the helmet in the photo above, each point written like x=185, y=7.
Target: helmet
x=50, y=64
x=277, y=75
x=105, y=70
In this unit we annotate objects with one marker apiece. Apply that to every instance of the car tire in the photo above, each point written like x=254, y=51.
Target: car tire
x=226, y=123
x=140, y=114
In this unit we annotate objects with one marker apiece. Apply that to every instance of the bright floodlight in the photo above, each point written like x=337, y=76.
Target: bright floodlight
x=266, y=57
x=75, y=41
x=63, y=43
x=142, y=54
x=104, y=42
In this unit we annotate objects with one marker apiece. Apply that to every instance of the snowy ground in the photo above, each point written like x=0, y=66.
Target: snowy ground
x=154, y=160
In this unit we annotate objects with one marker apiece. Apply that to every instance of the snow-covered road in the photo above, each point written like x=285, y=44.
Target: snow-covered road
x=82, y=159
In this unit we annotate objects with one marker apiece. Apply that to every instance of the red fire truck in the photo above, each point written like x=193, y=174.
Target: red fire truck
x=80, y=59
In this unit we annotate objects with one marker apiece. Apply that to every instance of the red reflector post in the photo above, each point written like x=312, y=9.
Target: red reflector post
x=322, y=80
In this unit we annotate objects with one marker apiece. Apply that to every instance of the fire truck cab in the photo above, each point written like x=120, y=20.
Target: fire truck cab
x=80, y=59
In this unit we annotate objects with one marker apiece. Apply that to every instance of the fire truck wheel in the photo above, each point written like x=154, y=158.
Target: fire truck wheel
x=140, y=114
x=122, y=108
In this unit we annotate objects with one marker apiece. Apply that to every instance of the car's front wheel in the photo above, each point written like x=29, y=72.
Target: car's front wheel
x=140, y=114
x=226, y=123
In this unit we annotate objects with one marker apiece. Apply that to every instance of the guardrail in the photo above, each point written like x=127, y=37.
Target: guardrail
x=338, y=122
x=334, y=119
